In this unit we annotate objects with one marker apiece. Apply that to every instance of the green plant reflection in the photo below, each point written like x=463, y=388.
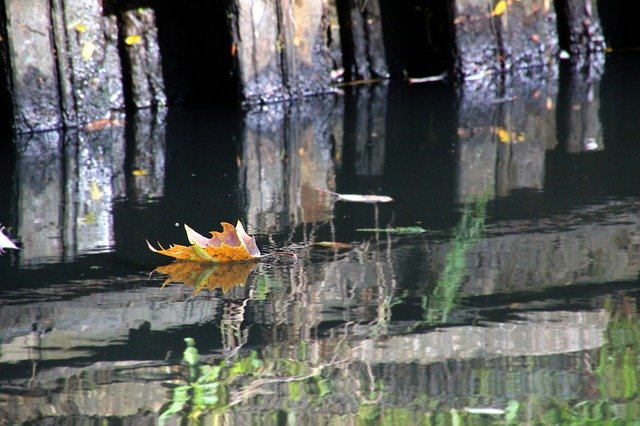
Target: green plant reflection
x=466, y=234
x=215, y=389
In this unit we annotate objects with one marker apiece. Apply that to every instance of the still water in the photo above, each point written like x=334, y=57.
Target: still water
x=513, y=297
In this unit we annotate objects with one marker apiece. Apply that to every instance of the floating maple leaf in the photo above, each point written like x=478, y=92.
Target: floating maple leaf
x=201, y=275
x=233, y=244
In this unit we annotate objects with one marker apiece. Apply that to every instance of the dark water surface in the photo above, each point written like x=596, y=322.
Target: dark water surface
x=517, y=304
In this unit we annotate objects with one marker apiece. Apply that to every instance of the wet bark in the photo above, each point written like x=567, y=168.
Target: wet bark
x=528, y=34
x=476, y=39
x=489, y=40
x=92, y=61
x=335, y=44
x=280, y=48
x=581, y=23
x=140, y=35
x=63, y=67
x=362, y=39
x=32, y=74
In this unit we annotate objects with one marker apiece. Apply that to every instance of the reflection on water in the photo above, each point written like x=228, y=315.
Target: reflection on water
x=583, y=126
x=520, y=302
x=40, y=197
x=148, y=163
x=365, y=130
x=96, y=163
x=66, y=187
x=67, y=184
x=286, y=157
x=503, y=135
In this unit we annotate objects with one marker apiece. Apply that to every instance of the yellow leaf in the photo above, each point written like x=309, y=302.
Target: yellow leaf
x=503, y=135
x=233, y=244
x=80, y=27
x=139, y=172
x=87, y=50
x=96, y=194
x=133, y=39
x=521, y=137
x=88, y=219
x=500, y=8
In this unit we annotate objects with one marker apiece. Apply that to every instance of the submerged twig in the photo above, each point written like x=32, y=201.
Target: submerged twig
x=440, y=77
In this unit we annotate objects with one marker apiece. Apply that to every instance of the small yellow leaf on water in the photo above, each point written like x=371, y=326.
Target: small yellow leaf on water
x=96, y=194
x=503, y=135
x=500, y=8
x=139, y=172
x=88, y=219
x=87, y=50
x=80, y=27
x=133, y=39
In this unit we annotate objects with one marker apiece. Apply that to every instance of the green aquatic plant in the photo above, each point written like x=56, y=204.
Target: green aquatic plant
x=466, y=234
x=400, y=230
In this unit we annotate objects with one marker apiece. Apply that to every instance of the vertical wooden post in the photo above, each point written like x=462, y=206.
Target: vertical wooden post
x=528, y=34
x=63, y=63
x=32, y=74
x=497, y=36
x=256, y=46
x=280, y=48
x=476, y=39
x=582, y=25
x=143, y=54
x=308, y=63
x=362, y=39
x=89, y=59
x=335, y=43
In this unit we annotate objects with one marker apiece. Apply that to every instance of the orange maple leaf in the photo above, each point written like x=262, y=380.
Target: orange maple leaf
x=233, y=244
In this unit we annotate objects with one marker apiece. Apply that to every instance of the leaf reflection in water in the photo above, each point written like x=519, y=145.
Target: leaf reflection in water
x=206, y=275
